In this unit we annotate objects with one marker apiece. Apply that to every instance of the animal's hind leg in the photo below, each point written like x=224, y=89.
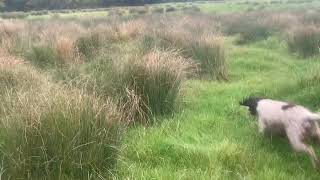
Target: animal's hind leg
x=299, y=146
x=317, y=132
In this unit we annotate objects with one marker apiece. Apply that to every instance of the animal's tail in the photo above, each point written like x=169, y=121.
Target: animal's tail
x=315, y=117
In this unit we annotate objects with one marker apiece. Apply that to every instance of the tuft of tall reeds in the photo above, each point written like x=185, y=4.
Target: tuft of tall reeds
x=88, y=45
x=147, y=85
x=44, y=57
x=54, y=132
x=130, y=29
x=154, y=82
x=249, y=26
x=67, y=50
x=206, y=49
x=209, y=51
x=304, y=40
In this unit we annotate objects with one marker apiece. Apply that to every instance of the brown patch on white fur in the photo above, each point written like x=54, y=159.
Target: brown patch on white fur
x=288, y=106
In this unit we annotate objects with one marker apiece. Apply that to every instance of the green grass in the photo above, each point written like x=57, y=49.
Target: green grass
x=209, y=137
x=208, y=7
x=213, y=137
x=77, y=14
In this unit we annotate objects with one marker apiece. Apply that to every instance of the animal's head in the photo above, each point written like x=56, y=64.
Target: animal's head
x=249, y=101
x=252, y=103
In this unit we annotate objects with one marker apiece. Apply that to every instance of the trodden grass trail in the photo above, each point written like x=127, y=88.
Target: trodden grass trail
x=212, y=137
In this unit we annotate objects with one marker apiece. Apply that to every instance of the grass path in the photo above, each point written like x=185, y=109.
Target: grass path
x=212, y=137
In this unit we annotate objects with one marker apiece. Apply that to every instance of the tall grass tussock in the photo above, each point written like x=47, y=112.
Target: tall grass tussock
x=146, y=85
x=54, y=132
x=156, y=80
x=304, y=40
x=249, y=26
x=44, y=57
x=88, y=45
x=206, y=49
x=209, y=52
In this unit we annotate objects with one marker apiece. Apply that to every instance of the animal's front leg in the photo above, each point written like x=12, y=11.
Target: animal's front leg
x=261, y=126
x=317, y=132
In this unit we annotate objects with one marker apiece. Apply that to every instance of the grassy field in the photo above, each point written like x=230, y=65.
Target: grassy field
x=213, y=137
x=204, y=6
x=151, y=93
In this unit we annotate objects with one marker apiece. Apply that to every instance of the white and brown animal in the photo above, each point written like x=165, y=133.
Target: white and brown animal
x=297, y=122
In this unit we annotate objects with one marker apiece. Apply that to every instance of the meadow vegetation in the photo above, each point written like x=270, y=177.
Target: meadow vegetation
x=152, y=92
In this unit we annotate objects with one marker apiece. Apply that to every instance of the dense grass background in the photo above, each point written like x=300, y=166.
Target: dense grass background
x=152, y=92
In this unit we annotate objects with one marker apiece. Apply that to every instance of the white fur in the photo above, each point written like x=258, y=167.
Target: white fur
x=297, y=122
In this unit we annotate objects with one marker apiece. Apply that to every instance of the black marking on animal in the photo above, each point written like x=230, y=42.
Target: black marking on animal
x=287, y=106
x=252, y=103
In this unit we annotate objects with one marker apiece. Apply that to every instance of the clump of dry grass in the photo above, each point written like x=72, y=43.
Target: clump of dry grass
x=153, y=83
x=10, y=32
x=11, y=27
x=62, y=39
x=193, y=37
x=304, y=40
x=54, y=132
x=311, y=17
x=107, y=32
x=282, y=21
x=67, y=50
x=250, y=26
x=7, y=60
x=131, y=29
x=148, y=85
x=70, y=41
x=209, y=51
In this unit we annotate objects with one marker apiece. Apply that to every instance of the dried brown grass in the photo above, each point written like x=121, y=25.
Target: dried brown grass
x=7, y=60
x=67, y=50
x=131, y=29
